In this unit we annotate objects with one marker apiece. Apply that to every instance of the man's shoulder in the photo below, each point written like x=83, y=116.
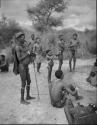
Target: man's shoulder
x=58, y=82
x=17, y=47
x=59, y=42
x=35, y=44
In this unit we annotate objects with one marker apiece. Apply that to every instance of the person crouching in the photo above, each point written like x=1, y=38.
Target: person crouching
x=59, y=90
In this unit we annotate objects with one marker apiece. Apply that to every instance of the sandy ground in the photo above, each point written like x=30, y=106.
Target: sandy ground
x=39, y=111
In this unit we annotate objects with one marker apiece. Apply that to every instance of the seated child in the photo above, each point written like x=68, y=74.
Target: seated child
x=92, y=79
x=59, y=90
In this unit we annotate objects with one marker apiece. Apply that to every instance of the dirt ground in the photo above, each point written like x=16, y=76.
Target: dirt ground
x=41, y=111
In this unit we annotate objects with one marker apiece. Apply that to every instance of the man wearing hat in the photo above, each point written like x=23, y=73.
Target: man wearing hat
x=61, y=47
x=73, y=46
x=23, y=55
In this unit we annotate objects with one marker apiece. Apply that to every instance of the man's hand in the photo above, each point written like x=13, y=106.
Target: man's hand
x=33, y=63
x=28, y=52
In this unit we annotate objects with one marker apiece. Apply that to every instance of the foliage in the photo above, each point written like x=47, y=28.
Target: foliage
x=42, y=14
x=8, y=28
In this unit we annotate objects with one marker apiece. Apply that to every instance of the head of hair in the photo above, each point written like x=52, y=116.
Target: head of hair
x=32, y=36
x=74, y=34
x=95, y=64
x=47, y=51
x=58, y=74
x=37, y=38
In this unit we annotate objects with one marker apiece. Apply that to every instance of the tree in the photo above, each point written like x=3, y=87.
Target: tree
x=8, y=28
x=41, y=14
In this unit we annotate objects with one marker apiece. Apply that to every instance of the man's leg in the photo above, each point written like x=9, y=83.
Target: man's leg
x=59, y=68
x=70, y=60
x=28, y=97
x=49, y=74
x=38, y=62
x=69, y=109
x=23, y=80
x=23, y=101
x=60, y=64
x=38, y=67
x=74, y=60
x=70, y=64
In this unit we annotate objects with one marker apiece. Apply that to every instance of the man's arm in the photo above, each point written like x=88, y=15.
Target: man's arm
x=41, y=49
x=34, y=48
x=18, y=52
x=49, y=57
x=3, y=64
x=78, y=44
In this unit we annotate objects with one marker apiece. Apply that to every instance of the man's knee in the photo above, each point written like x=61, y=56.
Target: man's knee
x=61, y=62
x=23, y=84
x=28, y=79
x=70, y=58
x=74, y=58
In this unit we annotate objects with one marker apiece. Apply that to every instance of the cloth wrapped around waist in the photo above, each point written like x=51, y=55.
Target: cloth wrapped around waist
x=38, y=58
x=50, y=63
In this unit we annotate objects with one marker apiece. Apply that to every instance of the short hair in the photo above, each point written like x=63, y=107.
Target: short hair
x=60, y=36
x=37, y=38
x=33, y=35
x=47, y=51
x=75, y=34
x=58, y=74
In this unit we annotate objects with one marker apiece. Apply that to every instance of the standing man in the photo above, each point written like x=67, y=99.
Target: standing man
x=37, y=49
x=61, y=47
x=23, y=56
x=73, y=46
x=50, y=64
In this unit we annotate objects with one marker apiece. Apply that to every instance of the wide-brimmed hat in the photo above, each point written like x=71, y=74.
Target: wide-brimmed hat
x=19, y=34
x=75, y=34
x=49, y=52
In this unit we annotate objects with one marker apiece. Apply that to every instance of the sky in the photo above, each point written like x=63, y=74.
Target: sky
x=80, y=15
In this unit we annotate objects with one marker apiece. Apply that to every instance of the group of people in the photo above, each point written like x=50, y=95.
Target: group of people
x=25, y=53
x=70, y=46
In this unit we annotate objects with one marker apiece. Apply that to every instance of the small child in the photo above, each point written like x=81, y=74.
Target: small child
x=49, y=56
x=59, y=90
x=92, y=79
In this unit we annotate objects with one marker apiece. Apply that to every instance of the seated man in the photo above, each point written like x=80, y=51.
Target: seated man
x=59, y=90
x=92, y=79
x=4, y=66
